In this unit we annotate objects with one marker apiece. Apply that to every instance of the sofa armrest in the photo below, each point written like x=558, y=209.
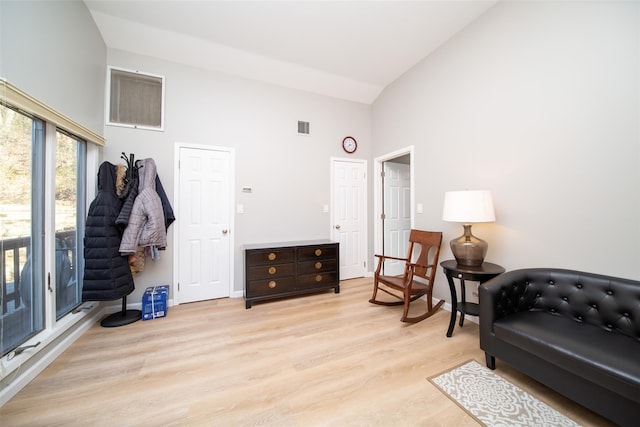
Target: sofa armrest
x=505, y=294
x=499, y=297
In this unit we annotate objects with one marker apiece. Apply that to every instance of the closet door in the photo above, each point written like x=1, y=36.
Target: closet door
x=349, y=208
x=204, y=222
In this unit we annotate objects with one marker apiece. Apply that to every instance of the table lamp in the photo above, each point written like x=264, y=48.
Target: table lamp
x=468, y=207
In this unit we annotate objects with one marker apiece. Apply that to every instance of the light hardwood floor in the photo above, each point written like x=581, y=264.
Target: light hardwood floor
x=325, y=359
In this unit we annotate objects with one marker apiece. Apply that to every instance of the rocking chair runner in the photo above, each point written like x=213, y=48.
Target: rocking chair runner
x=409, y=287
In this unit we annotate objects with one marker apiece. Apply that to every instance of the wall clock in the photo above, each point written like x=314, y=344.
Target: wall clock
x=349, y=144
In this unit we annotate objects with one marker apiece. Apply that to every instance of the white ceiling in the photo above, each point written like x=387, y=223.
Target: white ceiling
x=345, y=49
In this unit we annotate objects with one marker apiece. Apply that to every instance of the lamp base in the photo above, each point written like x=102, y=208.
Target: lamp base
x=468, y=250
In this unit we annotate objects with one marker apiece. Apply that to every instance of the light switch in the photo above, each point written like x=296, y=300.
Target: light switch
x=325, y=208
x=419, y=208
x=240, y=209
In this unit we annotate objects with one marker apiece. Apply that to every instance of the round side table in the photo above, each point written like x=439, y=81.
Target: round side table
x=479, y=274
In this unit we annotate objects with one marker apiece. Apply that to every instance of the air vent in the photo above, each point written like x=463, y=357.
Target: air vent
x=303, y=128
x=135, y=99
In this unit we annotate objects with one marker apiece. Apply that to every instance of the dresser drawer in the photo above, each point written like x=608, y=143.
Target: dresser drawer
x=319, y=266
x=317, y=252
x=318, y=279
x=259, y=288
x=270, y=271
x=278, y=256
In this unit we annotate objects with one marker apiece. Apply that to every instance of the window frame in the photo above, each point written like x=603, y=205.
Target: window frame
x=35, y=255
x=81, y=208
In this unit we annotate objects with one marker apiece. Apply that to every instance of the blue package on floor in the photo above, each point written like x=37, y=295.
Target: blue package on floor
x=154, y=302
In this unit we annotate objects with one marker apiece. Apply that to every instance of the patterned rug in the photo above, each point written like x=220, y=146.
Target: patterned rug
x=494, y=401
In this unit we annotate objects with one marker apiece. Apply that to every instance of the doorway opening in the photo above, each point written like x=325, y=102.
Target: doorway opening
x=394, y=201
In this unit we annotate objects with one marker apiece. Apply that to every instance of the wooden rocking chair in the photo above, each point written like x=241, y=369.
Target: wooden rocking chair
x=418, y=276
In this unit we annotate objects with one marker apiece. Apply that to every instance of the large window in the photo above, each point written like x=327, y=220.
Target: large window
x=29, y=284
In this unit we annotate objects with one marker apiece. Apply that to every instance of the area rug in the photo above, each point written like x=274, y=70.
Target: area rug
x=493, y=401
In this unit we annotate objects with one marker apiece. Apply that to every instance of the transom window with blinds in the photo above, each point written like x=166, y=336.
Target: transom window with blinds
x=135, y=99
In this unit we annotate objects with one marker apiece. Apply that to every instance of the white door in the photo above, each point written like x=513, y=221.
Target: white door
x=349, y=211
x=397, y=214
x=204, y=218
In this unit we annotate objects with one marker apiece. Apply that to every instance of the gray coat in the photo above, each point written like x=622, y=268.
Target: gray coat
x=146, y=224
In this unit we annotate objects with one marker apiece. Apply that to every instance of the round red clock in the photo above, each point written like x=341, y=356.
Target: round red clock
x=349, y=144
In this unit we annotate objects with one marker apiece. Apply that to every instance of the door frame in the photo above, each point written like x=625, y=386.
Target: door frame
x=378, y=189
x=365, y=198
x=176, y=201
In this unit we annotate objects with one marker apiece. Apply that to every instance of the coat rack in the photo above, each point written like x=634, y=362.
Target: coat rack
x=121, y=318
x=124, y=317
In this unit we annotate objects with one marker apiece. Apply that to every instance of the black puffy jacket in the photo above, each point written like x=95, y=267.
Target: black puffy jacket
x=106, y=274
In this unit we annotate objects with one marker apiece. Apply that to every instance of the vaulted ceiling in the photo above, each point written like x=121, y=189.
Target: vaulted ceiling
x=345, y=49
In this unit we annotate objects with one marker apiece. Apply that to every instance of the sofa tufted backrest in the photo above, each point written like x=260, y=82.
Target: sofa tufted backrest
x=608, y=302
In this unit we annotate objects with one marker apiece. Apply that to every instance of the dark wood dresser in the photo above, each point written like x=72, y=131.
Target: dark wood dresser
x=277, y=270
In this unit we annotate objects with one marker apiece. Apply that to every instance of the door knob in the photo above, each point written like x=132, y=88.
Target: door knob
x=338, y=227
x=225, y=231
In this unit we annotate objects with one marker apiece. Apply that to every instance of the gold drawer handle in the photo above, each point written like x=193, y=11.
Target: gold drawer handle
x=272, y=270
x=318, y=252
x=272, y=284
x=318, y=265
x=272, y=256
x=319, y=278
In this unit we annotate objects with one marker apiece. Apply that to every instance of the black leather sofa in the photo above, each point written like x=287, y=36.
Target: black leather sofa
x=578, y=333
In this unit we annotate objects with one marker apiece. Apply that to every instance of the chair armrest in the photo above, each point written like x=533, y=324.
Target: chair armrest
x=422, y=265
x=413, y=265
x=383, y=257
x=425, y=277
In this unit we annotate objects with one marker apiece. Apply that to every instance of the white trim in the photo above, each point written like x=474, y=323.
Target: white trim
x=176, y=200
x=49, y=296
x=28, y=104
x=93, y=158
x=377, y=192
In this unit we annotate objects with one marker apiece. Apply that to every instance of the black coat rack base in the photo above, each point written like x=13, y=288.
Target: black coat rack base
x=121, y=318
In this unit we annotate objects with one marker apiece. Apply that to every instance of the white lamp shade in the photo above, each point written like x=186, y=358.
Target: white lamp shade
x=468, y=206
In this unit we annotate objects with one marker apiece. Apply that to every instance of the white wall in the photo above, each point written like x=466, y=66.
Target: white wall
x=54, y=52
x=289, y=173
x=538, y=102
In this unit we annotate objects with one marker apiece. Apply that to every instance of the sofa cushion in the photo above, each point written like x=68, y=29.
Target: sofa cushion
x=607, y=358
